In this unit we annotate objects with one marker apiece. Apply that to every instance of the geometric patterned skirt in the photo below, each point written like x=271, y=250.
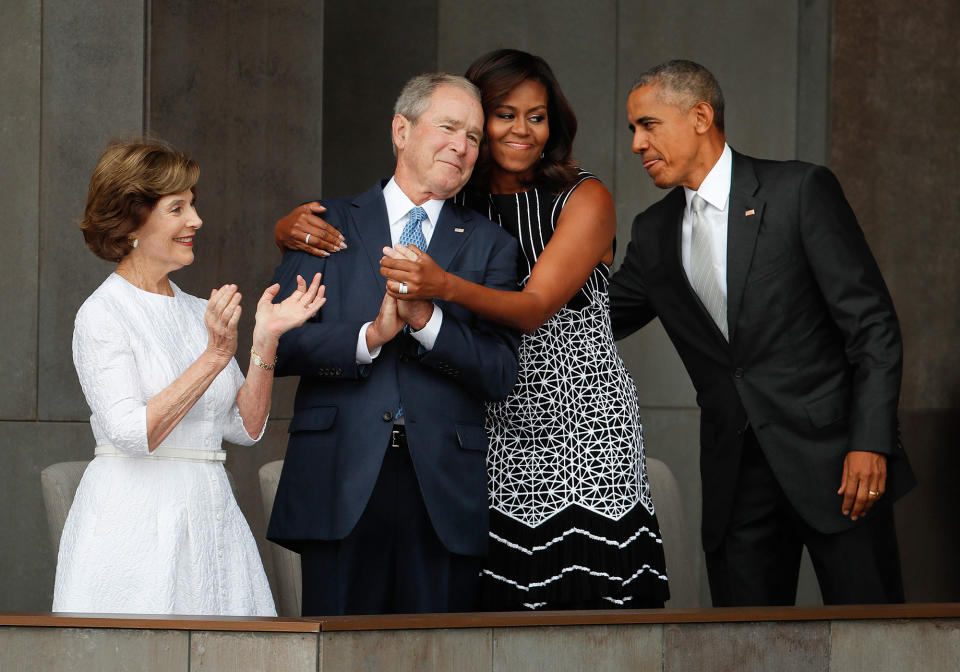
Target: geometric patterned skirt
x=575, y=560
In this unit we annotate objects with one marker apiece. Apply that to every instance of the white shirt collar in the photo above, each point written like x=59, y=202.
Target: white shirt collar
x=399, y=205
x=715, y=188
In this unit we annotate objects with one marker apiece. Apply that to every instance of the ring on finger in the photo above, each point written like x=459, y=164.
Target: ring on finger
x=307, y=239
x=403, y=288
x=873, y=493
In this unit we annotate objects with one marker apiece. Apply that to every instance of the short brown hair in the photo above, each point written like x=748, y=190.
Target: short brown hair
x=129, y=179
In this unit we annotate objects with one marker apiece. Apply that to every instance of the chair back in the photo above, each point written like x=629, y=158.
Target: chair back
x=286, y=563
x=682, y=558
x=59, y=483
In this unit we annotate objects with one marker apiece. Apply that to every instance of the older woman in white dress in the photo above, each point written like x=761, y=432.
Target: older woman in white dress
x=154, y=527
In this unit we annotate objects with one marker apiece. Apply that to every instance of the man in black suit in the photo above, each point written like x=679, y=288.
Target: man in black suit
x=383, y=490
x=764, y=282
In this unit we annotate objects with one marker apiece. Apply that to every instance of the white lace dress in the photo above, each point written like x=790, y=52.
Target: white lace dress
x=154, y=536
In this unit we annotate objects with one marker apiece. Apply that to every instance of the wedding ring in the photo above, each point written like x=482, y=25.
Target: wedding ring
x=307, y=239
x=403, y=288
x=872, y=493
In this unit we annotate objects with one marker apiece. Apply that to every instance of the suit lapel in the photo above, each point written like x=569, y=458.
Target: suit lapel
x=743, y=224
x=671, y=240
x=451, y=232
x=372, y=227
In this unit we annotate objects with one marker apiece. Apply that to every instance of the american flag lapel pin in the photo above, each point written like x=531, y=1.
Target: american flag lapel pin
x=749, y=213
x=458, y=230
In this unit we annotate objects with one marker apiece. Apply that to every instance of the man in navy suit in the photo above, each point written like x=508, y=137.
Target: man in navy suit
x=764, y=282
x=383, y=491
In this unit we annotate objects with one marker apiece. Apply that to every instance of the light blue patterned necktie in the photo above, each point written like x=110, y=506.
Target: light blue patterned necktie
x=413, y=232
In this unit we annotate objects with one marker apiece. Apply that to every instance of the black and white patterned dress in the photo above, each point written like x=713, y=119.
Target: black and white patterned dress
x=571, y=520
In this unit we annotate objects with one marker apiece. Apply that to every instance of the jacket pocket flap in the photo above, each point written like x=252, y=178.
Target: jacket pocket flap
x=313, y=419
x=830, y=408
x=472, y=437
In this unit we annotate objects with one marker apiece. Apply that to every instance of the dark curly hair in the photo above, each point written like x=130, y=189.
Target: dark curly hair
x=129, y=179
x=498, y=73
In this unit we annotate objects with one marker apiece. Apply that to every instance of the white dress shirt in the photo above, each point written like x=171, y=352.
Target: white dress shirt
x=715, y=190
x=398, y=213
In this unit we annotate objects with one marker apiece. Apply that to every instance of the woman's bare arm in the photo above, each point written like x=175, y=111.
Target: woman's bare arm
x=583, y=238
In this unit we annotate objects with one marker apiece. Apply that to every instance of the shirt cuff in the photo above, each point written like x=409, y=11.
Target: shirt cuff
x=364, y=356
x=428, y=335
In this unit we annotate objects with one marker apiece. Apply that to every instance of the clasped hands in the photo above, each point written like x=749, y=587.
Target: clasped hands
x=413, y=307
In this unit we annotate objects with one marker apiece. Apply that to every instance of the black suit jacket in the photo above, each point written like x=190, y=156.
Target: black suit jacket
x=344, y=413
x=814, y=359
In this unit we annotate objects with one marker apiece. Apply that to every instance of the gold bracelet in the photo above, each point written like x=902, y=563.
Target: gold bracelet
x=258, y=360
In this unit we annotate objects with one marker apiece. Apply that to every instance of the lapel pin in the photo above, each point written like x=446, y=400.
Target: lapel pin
x=750, y=213
x=458, y=230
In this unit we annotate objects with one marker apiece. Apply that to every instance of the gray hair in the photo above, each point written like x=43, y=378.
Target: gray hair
x=685, y=84
x=415, y=97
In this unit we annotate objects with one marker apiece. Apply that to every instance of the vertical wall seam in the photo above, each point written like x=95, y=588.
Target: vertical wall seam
x=798, y=86
x=616, y=93
x=147, y=48
x=36, y=372
x=828, y=85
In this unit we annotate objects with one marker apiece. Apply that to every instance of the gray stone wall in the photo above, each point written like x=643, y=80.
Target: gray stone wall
x=271, y=96
x=932, y=645
x=239, y=87
x=893, y=144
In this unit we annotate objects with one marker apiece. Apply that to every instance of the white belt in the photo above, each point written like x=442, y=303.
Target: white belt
x=166, y=453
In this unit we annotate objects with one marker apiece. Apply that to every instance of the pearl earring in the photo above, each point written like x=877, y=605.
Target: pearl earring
x=136, y=242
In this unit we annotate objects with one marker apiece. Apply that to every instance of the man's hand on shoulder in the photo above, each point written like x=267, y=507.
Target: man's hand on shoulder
x=863, y=483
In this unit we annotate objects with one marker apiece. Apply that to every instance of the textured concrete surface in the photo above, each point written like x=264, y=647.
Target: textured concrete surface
x=93, y=650
x=893, y=92
x=868, y=646
x=93, y=89
x=370, y=50
x=401, y=650
x=556, y=31
x=269, y=652
x=893, y=147
x=27, y=563
x=747, y=647
x=611, y=648
x=927, y=527
x=20, y=106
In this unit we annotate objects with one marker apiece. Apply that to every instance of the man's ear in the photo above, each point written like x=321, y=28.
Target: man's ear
x=704, y=117
x=400, y=129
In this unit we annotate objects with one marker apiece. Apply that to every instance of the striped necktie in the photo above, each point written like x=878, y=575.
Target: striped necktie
x=703, y=276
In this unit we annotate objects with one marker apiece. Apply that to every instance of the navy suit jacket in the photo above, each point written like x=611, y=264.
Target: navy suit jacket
x=814, y=359
x=344, y=412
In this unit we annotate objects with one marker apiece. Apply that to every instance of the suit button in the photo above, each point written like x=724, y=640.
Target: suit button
x=738, y=373
x=387, y=416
